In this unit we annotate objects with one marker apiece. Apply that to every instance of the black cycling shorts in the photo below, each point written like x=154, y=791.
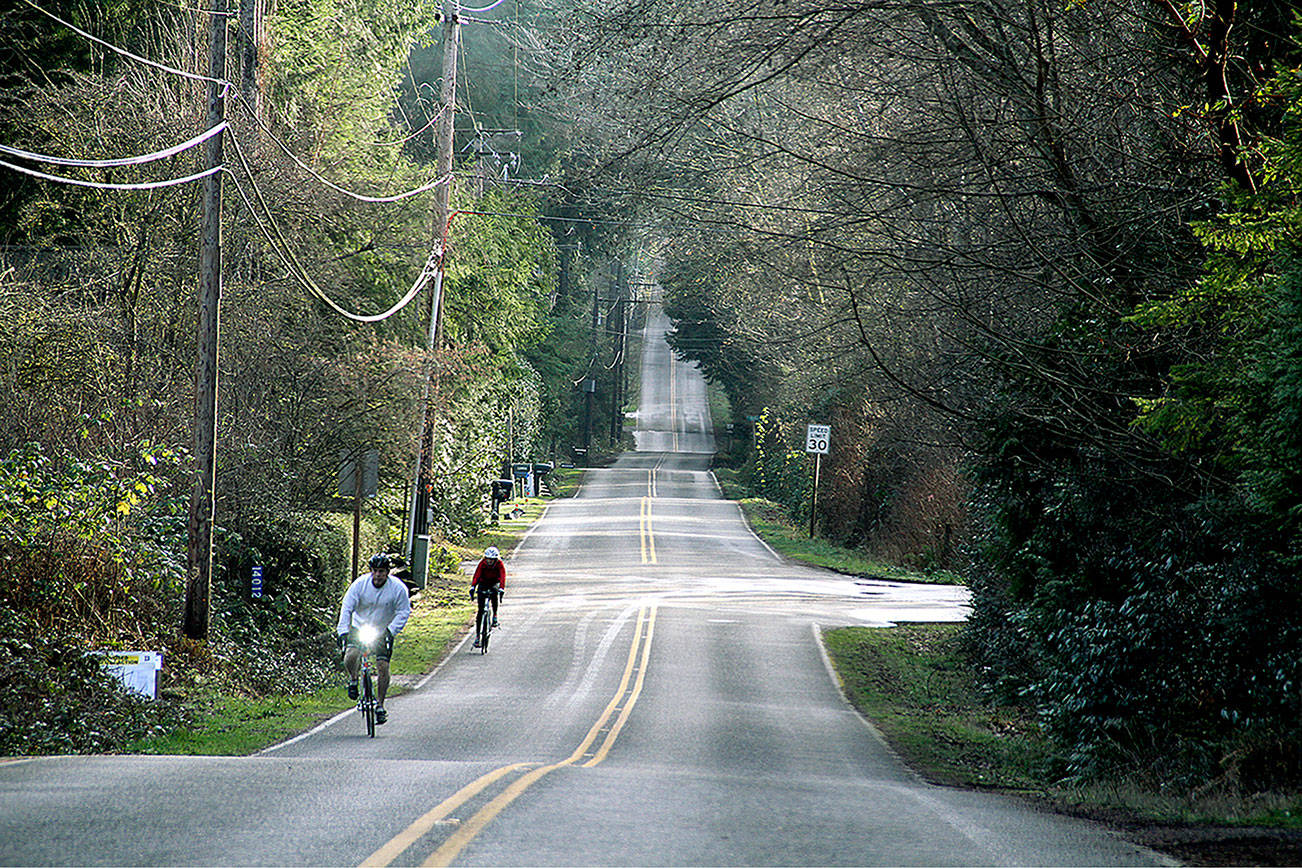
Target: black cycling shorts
x=384, y=652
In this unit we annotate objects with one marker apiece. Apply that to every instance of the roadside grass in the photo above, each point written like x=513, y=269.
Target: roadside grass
x=439, y=618
x=564, y=481
x=505, y=535
x=912, y=682
x=232, y=725
x=238, y=726
x=720, y=406
x=769, y=521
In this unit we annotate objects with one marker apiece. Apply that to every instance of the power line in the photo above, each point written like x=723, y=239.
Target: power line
x=488, y=8
x=592, y=221
x=124, y=52
x=280, y=246
x=120, y=161
x=225, y=83
x=406, y=139
x=102, y=185
x=333, y=186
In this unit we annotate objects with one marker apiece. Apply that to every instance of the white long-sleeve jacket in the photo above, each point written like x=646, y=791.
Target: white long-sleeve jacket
x=388, y=606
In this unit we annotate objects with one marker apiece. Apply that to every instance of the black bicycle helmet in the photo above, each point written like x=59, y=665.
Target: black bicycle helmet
x=379, y=562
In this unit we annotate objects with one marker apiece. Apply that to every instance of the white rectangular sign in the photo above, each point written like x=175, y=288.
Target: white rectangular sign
x=137, y=670
x=818, y=439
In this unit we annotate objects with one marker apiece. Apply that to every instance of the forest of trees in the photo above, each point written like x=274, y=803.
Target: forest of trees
x=1036, y=263
x=331, y=107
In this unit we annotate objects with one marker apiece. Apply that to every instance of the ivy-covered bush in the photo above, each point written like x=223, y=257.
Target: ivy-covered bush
x=282, y=641
x=1144, y=597
x=58, y=699
x=90, y=546
x=90, y=561
x=781, y=472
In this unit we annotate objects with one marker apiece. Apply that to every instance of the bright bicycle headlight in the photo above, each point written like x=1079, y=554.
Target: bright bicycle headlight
x=368, y=633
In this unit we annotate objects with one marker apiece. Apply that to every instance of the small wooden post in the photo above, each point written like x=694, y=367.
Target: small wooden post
x=813, y=505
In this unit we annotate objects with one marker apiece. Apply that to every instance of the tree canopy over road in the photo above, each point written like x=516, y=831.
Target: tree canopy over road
x=1035, y=263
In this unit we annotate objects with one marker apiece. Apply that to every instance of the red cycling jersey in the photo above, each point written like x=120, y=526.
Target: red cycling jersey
x=490, y=573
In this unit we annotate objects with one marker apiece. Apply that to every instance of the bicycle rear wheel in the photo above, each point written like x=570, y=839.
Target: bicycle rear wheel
x=368, y=704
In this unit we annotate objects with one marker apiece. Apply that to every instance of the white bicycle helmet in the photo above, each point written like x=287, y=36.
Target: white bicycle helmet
x=492, y=553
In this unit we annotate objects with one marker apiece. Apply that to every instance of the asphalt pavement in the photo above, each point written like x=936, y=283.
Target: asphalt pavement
x=657, y=695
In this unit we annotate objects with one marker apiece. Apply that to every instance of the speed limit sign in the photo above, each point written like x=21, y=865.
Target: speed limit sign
x=818, y=439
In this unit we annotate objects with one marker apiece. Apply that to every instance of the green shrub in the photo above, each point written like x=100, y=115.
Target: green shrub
x=58, y=699
x=93, y=559
x=90, y=548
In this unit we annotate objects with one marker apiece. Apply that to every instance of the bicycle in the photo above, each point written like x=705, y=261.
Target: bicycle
x=368, y=636
x=484, y=619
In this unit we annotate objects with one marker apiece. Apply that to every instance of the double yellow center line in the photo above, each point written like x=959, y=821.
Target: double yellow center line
x=648, y=533
x=645, y=528
x=584, y=756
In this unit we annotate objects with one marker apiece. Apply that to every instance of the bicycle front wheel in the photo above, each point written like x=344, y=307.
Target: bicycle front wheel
x=485, y=627
x=368, y=704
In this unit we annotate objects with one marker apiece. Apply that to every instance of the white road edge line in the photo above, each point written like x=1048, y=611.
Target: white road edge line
x=6, y=762
x=977, y=834
x=845, y=697
x=446, y=659
x=533, y=527
x=741, y=512
x=419, y=684
x=341, y=715
x=302, y=735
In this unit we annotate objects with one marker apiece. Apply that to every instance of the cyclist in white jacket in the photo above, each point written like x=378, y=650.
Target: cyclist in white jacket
x=375, y=600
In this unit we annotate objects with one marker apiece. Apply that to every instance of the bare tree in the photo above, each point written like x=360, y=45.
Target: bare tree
x=920, y=190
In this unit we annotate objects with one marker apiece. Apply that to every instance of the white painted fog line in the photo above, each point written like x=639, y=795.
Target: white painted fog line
x=741, y=512
x=311, y=732
x=444, y=662
x=845, y=698
x=6, y=762
x=980, y=836
x=341, y=715
x=533, y=527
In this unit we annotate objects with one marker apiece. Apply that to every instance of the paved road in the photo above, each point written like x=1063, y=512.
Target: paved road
x=656, y=695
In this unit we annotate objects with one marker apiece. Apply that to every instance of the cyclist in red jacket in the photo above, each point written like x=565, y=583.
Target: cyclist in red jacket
x=488, y=583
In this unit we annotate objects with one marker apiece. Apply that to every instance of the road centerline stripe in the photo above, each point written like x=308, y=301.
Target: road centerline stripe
x=404, y=839
x=582, y=749
x=470, y=829
x=641, y=527
x=647, y=533
x=632, y=697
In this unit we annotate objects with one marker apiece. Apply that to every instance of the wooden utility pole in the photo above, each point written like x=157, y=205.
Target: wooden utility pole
x=250, y=46
x=199, y=538
x=418, y=523
x=589, y=384
x=617, y=338
x=357, y=518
